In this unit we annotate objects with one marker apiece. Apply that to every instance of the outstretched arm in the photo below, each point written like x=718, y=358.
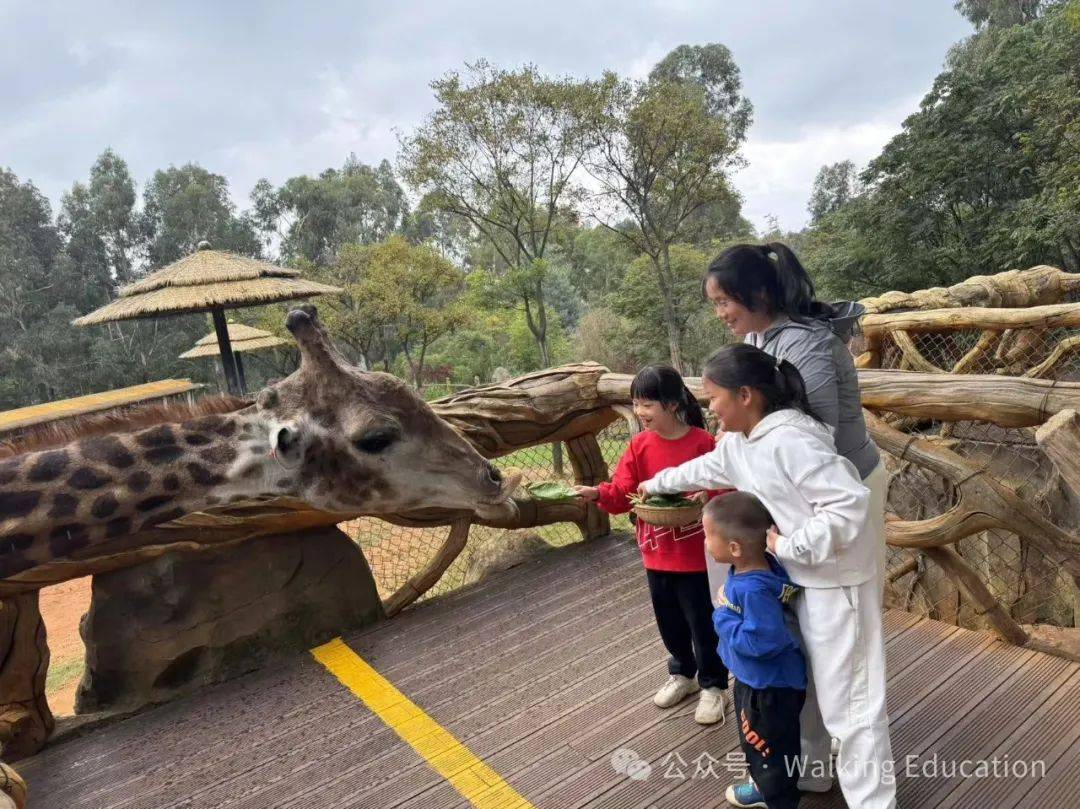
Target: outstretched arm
x=703, y=472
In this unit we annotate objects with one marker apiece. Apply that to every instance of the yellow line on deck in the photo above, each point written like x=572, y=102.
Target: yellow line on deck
x=474, y=779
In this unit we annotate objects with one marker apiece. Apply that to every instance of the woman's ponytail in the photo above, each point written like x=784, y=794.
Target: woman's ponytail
x=743, y=365
x=797, y=285
x=690, y=410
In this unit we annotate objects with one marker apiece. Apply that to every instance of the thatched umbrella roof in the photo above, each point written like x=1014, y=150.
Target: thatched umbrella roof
x=241, y=338
x=203, y=281
x=207, y=281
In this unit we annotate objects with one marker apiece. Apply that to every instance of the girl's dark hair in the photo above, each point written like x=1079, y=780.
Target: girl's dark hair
x=743, y=365
x=749, y=274
x=662, y=383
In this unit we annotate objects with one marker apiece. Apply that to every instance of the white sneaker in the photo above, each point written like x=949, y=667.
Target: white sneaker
x=710, y=707
x=675, y=690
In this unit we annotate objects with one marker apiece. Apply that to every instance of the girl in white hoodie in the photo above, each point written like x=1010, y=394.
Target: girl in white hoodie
x=774, y=448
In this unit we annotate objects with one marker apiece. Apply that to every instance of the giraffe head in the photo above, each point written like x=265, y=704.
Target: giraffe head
x=364, y=441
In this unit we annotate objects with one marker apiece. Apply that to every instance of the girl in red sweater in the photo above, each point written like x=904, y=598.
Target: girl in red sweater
x=674, y=557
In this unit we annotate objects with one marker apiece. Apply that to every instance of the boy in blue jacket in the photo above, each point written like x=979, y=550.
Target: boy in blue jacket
x=758, y=649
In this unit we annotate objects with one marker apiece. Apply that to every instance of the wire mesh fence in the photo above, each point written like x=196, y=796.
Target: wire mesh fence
x=1031, y=587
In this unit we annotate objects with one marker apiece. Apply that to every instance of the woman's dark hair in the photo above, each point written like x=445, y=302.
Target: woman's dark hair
x=743, y=365
x=749, y=274
x=662, y=383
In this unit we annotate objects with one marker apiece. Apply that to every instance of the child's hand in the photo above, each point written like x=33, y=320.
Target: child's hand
x=590, y=493
x=643, y=493
x=771, y=537
x=698, y=497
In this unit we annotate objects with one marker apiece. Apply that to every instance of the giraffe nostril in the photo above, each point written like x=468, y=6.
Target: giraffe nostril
x=494, y=475
x=285, y=440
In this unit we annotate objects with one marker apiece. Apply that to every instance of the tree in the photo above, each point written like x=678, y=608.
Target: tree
x=699, y=332
x=1000, y=13
x=983, y=177
x=660, y=158
x=500, y=152
x=313, y=217
x=184, y=206
x=713, y=69
x=395, y=290
x=834, y=186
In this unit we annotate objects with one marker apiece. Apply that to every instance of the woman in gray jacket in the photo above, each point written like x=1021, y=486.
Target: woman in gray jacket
x=764, y=295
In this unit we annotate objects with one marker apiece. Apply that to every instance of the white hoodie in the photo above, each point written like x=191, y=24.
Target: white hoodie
x=814, y=495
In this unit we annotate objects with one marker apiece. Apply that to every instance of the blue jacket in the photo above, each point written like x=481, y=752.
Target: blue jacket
x=755, y=643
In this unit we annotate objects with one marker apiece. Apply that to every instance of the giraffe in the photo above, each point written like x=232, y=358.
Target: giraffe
x=329, y=434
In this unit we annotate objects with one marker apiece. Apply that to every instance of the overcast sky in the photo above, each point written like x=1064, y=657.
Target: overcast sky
x=275, y=89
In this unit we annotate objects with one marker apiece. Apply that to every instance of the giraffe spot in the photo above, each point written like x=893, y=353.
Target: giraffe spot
x=159, y=436
x=203, y=476
x=163, y=455
x=63, y=505
x=65, y=539
x=117, y=527
x=157, y=501
x=170, y=483
x=250, y=471
x=87, y=478
x=14, y=543
x=104, y=506
x=138, y=482
x=18, y=504
x=107, y=449
x=259, y=449
x=197, y=439
x=48, y=466
x=218, y=455
x=284, y=483
x=9, y=470
x=226, y=428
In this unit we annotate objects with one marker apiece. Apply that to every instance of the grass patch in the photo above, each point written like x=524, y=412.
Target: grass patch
x=62, y=674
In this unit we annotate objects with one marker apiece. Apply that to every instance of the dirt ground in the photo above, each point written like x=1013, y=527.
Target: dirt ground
x=62, y=607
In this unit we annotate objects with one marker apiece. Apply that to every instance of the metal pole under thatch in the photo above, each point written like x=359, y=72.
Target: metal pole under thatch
x=228, y=360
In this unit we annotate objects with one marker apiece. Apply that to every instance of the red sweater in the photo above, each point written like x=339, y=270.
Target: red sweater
x=680, y=550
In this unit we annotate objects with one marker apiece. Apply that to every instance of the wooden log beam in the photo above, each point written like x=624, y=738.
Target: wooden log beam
x=1058, y=316
x=977, y=594
x=25, y=718
x=590, y=469
x=1059, y=438
x=1005, y=401
x=1036, y=286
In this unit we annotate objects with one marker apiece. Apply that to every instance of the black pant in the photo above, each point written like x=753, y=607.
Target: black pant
x=683, y=611
x=769, y=731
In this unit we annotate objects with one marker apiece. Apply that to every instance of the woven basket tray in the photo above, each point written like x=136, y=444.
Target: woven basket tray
x=669, y=517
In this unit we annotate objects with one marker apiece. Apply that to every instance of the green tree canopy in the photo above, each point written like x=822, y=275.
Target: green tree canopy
x=315, y=216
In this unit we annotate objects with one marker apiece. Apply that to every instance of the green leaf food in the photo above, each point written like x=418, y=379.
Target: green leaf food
x=662, y=501
x=550, y=491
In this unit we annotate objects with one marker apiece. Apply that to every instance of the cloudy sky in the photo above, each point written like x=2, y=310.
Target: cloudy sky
x=275, y=89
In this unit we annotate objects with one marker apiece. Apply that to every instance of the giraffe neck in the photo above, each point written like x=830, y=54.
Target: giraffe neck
x=56, y=502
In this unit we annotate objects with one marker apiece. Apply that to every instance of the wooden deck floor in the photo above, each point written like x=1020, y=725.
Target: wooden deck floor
x=543, y=672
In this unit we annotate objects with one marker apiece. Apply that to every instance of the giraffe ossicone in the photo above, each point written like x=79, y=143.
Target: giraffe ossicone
x=341, y=439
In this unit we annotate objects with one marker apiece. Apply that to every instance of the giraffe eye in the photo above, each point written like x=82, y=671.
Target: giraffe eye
x=376, y=439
